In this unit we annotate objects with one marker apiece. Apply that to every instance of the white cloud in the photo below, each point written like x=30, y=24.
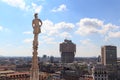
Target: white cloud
x=108, y=27
x=65, y=35
x=89, y=26
x=36, y=8
x=86, y=42
x=112, y=35
x=23, y=6
x=1, y=28
x=64, y=25
x=27, y=32
x=91, y=22
x=48, y=40
x=60, y=8
x=17, y=3
x=50, y=29
x=28, y=40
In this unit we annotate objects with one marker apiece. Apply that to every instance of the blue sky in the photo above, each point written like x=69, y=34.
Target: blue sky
x=90, y=24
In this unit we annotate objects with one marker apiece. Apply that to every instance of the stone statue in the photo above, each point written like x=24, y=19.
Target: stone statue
x=36, y=23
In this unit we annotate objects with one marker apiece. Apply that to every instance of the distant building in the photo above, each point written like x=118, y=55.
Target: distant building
x=99, y=72
x=13, y=75
x=99, y=58
x=10, y=67
x=52, y=59
x=109, y=55
x=69, y=75
x=86, y=77
x=67, y=49
x=118, y=69
x=23, y=67
x=109, y=59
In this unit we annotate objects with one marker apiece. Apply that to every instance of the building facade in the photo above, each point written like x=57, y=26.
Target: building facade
x=13, y=75
x=109, y=59
x=109, y=55
x=67, y=49
x=99, y=72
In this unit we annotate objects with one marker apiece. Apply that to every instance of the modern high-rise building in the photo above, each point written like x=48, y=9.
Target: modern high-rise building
x=109, y=59
x=109, y=55
x=67, y=49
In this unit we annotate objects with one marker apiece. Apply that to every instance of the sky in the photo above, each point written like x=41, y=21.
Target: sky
x=90, y=24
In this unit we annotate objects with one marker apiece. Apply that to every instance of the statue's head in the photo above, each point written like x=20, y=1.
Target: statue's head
x=36, y=15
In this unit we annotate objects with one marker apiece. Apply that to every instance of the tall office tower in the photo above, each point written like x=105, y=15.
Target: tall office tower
x=109, y=55
x=67, y=49
x=109, y=59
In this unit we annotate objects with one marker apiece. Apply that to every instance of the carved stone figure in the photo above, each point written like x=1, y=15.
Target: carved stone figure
x=36, y=23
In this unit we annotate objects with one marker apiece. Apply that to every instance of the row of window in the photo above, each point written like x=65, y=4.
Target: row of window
x=100, y=75
x=101, y=79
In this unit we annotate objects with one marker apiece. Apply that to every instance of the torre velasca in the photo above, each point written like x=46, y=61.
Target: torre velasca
x=67, y=49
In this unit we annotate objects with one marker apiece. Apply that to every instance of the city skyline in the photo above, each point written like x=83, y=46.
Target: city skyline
x=89, y=24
